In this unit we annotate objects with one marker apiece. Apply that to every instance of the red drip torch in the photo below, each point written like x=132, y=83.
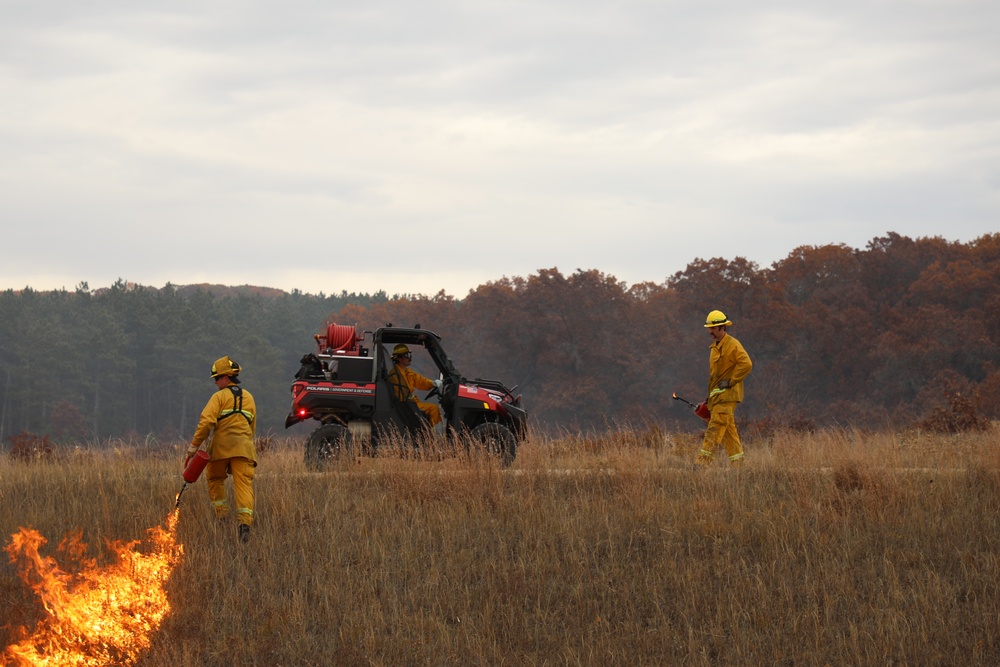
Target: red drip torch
x=193, y=470
x=701, y=409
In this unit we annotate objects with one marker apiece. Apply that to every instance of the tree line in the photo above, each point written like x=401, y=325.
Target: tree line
x=878, y=337
x=133, y=361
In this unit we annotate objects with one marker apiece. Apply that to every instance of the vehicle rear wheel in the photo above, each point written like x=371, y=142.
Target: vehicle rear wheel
x=496, y=439
x=326, y=445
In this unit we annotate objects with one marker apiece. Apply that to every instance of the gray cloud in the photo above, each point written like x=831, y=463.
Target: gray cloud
x=494, y=138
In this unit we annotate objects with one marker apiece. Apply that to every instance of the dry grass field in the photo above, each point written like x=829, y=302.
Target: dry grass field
x=833, y=548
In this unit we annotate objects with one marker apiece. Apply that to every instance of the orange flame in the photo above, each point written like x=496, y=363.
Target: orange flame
x=100, y=615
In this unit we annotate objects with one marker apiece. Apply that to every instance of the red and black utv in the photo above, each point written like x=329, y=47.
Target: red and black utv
x=345, y=386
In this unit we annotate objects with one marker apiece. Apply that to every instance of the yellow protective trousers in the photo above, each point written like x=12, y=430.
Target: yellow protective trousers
x=432, y=411
x=242, y=470
x=721, y=430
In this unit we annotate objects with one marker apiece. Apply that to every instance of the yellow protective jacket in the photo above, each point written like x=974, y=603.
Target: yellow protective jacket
x=231, y=417
x=404, y=381
x=727, y=360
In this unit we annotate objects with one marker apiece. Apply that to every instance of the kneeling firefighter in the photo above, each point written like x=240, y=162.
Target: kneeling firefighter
x=230, y=416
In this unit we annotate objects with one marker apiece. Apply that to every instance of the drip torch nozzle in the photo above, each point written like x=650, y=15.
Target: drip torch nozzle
x=178, y=499
x=678, y=398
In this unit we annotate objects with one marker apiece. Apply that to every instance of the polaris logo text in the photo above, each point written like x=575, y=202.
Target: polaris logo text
x=341, y=390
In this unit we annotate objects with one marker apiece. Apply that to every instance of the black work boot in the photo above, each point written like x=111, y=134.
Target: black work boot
x=244, y=532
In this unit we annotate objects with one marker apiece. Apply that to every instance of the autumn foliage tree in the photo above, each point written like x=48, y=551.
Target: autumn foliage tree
x=838, y=335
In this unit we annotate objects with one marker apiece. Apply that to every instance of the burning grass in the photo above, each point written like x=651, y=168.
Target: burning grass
x=95, y=615
x=829, y=548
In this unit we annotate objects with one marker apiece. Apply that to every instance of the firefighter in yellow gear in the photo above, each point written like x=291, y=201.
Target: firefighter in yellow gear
x=404, y=381
x=230, y=417
x=729, y=364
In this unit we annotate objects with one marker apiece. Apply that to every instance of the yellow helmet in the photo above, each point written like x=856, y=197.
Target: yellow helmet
x=717, y=318
x=400, y=349
x=225, y=366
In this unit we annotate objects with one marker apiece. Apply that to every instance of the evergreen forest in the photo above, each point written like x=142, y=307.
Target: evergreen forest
x=884, y=337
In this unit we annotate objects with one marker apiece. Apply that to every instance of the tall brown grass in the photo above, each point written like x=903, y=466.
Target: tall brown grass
x=838, y=547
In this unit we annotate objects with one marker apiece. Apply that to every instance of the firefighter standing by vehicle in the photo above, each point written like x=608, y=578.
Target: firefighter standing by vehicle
x=230, y=416
x=404, y=381
x=729, y=364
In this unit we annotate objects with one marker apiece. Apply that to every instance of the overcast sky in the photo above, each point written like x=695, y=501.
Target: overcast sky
x=418, y=146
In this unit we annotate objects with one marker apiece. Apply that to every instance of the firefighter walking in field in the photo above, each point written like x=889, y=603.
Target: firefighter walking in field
x=230, y=416
x=404, y=381
x=729, y=365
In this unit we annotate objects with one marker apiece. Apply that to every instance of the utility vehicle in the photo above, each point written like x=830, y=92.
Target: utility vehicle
x=345, y=387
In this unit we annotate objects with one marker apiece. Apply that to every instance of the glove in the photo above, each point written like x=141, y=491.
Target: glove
x=190, y=452
x=438, y=384
x=724, y=384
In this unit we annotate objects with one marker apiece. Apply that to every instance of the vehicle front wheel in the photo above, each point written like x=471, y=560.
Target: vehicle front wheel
x=326, y=445
x=496, y=439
